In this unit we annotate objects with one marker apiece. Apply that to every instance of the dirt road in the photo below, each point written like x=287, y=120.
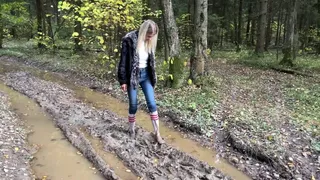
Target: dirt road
x=98, y=134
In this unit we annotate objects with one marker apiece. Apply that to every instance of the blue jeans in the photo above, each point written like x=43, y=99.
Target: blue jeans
x=148, y=91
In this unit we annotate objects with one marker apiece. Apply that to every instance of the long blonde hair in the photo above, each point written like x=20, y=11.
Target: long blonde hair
x=148, y=26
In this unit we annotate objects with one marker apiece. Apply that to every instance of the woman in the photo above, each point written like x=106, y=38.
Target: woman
x=137, y=67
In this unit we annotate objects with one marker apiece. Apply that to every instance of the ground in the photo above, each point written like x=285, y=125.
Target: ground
x=14, y=150
x=253, y=119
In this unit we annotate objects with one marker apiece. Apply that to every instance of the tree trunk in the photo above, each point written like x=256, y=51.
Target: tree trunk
x=78, y=28
x=279, y=21
x=39, y=22
x=261, y=35
x=318, y=44
x=289, y=45
x=56, y=11
x=49, y=19
x=224, y=24
x=199, y=54
x=234, y=33
x=176, y=64
x=239, y=38
x=1, y=31
x=249, y=23
x=254, y=24
x=269, y=26
x=285, y=29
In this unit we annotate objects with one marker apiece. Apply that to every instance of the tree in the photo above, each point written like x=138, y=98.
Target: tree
x=239, y=38
x=40, y=31
x=261, y=33
x=172, y=39
x=269, y=28
x=1, y=29
x=199, y=53
x=77, y=28
x=289, y=44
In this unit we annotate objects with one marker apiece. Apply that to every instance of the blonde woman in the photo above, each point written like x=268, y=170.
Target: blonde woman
x=137, y=67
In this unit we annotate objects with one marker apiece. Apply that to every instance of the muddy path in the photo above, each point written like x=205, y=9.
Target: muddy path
x=177, y=138
x=49, y=154
x=13, y=144
x=143, y=156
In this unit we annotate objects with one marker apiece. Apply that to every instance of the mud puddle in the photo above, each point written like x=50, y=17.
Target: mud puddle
x=55, y=158
x=172, y=137
x=119, y=168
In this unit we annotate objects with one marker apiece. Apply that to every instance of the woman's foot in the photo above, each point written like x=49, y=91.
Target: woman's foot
x=132, y=133
x=159, y=139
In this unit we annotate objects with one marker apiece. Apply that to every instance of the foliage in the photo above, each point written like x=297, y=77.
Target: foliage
x=194, y=105
x=104, y=22
x=102, y=19
x=14, y=15
x=305, y=101
x=184, y=25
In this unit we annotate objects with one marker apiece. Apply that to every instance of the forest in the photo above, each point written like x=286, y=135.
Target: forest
x=241, y=77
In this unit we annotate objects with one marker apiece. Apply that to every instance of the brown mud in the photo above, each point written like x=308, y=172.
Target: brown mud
x=54, y=157
x=143, y=156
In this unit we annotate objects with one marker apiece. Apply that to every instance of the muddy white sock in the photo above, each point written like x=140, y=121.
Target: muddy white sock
x=155, y=121
x=132, y=121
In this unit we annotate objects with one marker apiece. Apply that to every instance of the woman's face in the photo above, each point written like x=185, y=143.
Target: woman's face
x=149, y=36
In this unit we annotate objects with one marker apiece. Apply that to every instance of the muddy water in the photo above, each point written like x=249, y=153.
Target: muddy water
x=56, y=158
x=122, y=171
x=171, y=136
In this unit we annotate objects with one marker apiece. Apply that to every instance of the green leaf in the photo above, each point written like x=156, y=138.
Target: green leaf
x=75, y=34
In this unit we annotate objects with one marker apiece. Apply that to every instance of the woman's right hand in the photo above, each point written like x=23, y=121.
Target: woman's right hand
x=124, y=87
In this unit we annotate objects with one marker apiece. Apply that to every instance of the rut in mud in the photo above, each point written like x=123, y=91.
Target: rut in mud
x=143, y=156
x=51, y=155
x=13, y=146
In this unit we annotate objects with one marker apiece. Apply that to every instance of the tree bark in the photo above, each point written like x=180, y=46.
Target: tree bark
x=199, y=54
x=39, y=22
x=289, y=45
x=261, y=35
x=318, y=24
x=279, y=21
x=269, y=27
x=254, y=24
x=78, y=28
x=49, y=19
x=249, y=23
x=176, y=64
x=239, y=38
x=1, y=31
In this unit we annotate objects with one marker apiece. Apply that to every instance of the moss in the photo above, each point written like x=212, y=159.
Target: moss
x=176, y=69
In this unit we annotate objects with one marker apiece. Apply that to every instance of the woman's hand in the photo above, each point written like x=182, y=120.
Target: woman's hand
x=124, y=87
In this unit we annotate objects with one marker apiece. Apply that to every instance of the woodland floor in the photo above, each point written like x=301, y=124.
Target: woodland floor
x=265, y=123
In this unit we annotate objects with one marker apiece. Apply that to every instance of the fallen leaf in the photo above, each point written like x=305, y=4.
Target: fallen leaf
x=155, y=160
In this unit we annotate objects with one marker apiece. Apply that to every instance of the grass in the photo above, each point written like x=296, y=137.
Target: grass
x=269, y=59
